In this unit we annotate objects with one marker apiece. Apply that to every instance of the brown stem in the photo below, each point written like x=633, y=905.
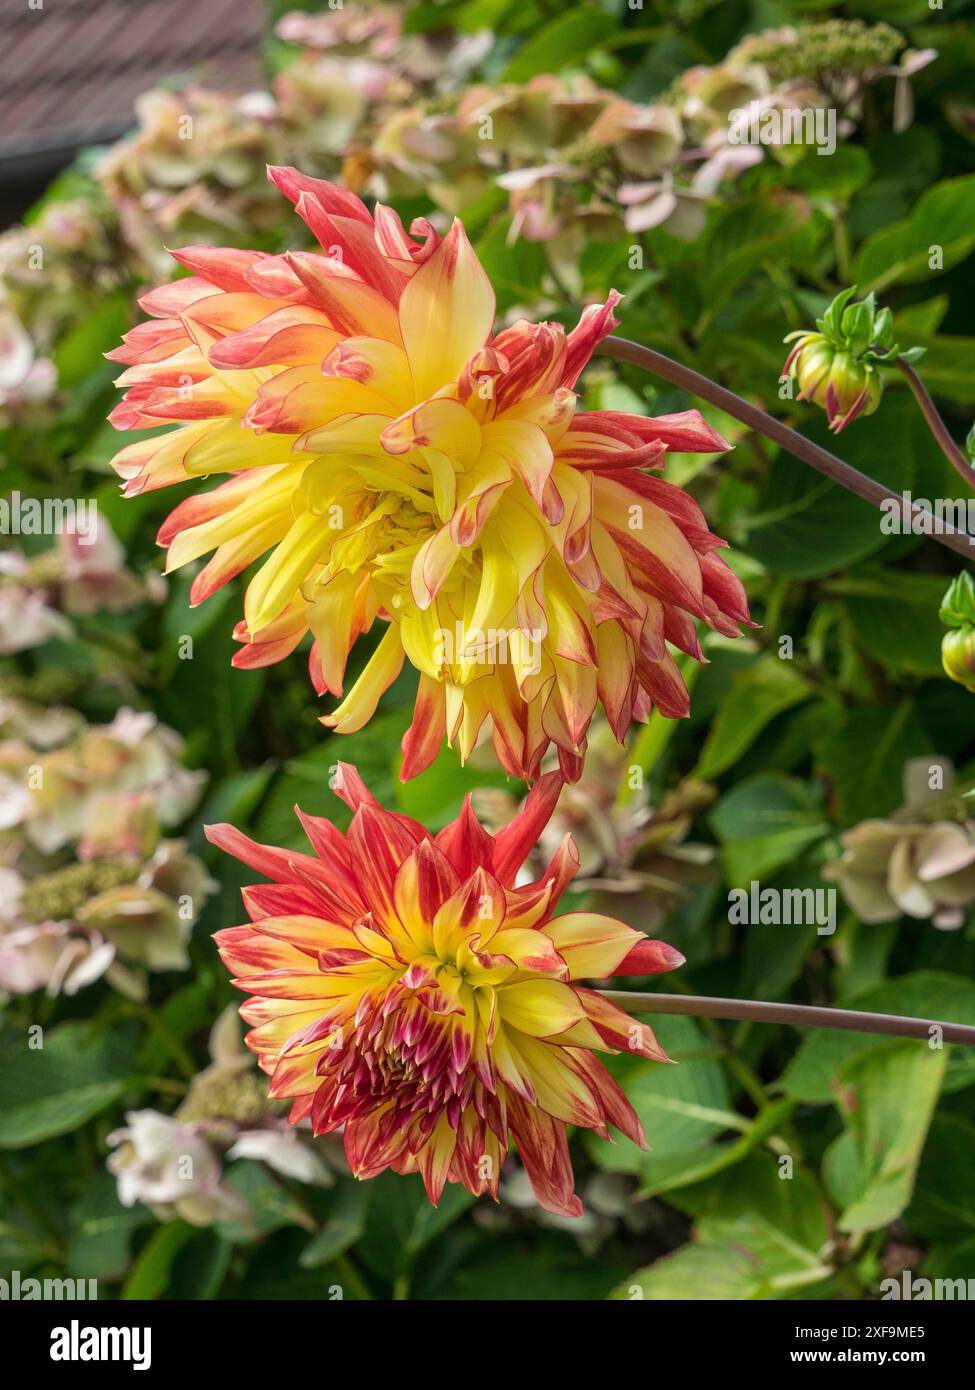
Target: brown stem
x=936, y=425
x=797, y=1015
x=623, y=350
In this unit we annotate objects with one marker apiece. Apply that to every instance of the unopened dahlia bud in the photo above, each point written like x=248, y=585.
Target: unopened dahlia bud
x=838, y=367
x=958, y=644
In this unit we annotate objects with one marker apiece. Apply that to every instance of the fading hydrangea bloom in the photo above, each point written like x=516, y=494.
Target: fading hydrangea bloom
x=172, y=1169
x=26, y=379
x=88, y=885
x=76, y=577
x=559, y=144
x=920, y=862
x=179, y=1165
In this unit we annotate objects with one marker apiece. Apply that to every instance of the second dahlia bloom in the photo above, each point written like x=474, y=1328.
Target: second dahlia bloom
x=404, y=987
x=395, y=460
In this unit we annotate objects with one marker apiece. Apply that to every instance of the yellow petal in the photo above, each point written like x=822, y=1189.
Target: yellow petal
x=446, y=313
x=539, y=1007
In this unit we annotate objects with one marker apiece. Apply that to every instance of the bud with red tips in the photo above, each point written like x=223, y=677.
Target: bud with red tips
x=838, y=368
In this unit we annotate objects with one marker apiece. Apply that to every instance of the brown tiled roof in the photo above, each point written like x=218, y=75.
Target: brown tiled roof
x=70, y=71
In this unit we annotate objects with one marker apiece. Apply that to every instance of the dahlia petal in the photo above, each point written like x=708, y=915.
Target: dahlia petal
x=391, y=239
x=279, y=900
x=616, y=1108
x=376, y=363
x=423, y=739
x=278, y=580
x=290, y=336
x=597, y=321
x=246, y=951
x=354, y=241
x=513, y=844
x=526, y=949
x=619, y=1030
x=170, y=301
x=466, y=844
x=380, y=671
x=594, y=946
x=424, y=882
x=540, y=1008
x=379, y=843
x=446, y=313
x=331, y=196
x=544, y=1151
x=354, y=308
x=434, y=1160
x=273, y=863
x=274, y=642
x=647, y=958
x=223, y=267
x=152, y=341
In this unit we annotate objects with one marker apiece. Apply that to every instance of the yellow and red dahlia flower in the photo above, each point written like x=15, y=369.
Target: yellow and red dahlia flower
x=405, y=987
x=395, y=459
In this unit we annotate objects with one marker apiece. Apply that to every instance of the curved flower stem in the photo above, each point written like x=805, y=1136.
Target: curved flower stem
x=623, y=350
x=936, y=425
x=797, y=1015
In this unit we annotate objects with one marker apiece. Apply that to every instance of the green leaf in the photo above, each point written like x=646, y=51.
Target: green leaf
x=101, y=1230
x=344, y=1224
x=847, y=170
x=565, y=40
x=436, y=796
x=893, y=614
x=515, y=270
x=746, y=237
x=943, y=1207
x=200, y=1266
x=401, y=1223
x=755, y=698
x=305, y=781
x=863, y=759
x=149, y=1276
x=765, y=822
x=887, y=1097
x=54, y=1089
x=270, y=1204
x=233, y=799
x=677, y=1170
x=739, y=1261
x=682, y=1108
x=99, y=330
x=943, y=217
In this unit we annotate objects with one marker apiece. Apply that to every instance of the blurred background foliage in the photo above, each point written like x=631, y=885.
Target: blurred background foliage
x=781, y=1165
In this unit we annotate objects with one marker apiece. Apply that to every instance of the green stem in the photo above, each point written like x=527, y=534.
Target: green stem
x=936, y=425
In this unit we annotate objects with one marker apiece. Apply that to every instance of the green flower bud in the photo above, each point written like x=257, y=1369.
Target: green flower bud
x=958, y=645
x=843, y=385
x=958, y=656
x=838, y=367
x=958, y=605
